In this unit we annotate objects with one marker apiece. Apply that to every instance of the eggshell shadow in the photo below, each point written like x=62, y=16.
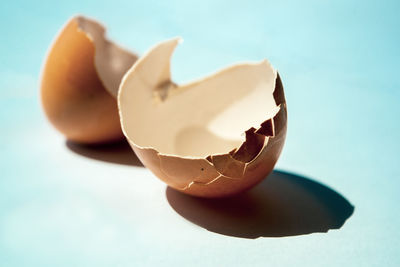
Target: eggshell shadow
x=284, y=204
x=118, y=153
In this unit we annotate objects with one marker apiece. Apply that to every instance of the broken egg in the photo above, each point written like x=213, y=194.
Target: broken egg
x=213, y=137
x=80, y=81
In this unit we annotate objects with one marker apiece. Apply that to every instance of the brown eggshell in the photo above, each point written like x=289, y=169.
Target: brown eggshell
x=212, y=160
x=178, y=169
x=80, y=80
x=227, y=166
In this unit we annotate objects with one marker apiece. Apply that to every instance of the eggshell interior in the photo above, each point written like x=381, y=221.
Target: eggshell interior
x=111, y=61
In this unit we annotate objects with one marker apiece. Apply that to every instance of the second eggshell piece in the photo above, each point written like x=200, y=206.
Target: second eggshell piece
x=80, y=81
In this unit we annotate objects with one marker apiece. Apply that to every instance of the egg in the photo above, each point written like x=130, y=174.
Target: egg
x=80, y=80
x=214, y=137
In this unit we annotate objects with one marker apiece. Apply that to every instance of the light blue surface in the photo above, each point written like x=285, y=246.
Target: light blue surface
x=339, y=62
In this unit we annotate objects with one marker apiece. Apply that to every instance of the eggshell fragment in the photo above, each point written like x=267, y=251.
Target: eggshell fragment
x=214, y=137
x=80, y=81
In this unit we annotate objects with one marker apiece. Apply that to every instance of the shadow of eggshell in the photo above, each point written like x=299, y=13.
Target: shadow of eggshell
x=219, y=146
x=80, y=81
x=285, y=204
x=118, y=153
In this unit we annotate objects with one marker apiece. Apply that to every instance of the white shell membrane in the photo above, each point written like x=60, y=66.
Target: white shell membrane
x=205, y=117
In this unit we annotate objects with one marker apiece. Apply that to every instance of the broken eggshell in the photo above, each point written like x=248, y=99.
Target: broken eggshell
x=80, y=81
x=214, y=137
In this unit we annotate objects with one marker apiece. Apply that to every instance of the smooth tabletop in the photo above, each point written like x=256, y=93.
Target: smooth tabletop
x=332, y=200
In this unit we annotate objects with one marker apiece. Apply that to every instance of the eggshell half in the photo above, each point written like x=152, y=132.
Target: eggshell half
x=80, y=81
x=214, y=137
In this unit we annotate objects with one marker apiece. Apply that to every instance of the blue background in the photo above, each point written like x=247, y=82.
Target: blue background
x=339, y=63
